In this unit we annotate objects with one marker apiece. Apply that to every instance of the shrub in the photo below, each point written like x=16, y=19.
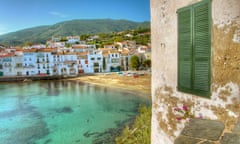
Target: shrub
x=140, y=131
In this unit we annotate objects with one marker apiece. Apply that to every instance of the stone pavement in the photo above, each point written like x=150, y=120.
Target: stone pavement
x=200, y=131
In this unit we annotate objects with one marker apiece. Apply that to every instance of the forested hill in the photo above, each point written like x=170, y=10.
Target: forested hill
x=69, y=28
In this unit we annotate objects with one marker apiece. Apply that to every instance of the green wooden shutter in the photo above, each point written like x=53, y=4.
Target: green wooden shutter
x=194, y=48
x=201, y=48
x=184, y=49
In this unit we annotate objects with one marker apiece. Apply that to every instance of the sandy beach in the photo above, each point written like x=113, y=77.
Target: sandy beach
x=140, y=85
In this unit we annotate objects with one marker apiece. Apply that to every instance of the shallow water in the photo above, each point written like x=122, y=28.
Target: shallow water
x=62, y=112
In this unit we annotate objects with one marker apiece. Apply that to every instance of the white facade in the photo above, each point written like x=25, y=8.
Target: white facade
x=65, y=64
x=17, y=63
x=44, y=63
x=73, y=39
x=70, y=64
x=113, y=62
x=7, y=66
x=95, y=63
x=29, y=63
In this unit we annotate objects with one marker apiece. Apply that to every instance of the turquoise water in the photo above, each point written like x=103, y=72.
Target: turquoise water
x=63, y=112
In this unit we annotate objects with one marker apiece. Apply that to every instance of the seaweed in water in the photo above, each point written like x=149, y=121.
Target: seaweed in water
x=29, y=135
x=110, y=134
x=88, y=134
x=48, y=141
x=65, y=110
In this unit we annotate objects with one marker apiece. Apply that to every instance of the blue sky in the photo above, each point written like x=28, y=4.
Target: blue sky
x=20, y=14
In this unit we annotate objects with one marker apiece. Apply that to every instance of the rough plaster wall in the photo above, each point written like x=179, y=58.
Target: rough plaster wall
x=226, y=46
x=226, y=61
x=225, y=11
x=225, y=99
x=164, y=52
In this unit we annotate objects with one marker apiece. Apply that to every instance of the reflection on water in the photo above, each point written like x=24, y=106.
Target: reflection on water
x=63, y=112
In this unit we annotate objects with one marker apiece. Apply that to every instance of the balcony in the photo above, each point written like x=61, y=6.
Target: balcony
x=19, y=65
x=70, y=62
x=7, y=65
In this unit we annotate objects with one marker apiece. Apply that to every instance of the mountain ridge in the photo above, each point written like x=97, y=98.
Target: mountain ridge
x=41, y=34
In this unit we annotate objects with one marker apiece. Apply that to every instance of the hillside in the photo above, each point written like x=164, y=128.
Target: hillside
x=75, y=27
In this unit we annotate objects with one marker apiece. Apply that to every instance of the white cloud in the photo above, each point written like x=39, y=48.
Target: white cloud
x=58, y=14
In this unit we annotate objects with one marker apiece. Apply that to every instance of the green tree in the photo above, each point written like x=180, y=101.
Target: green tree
x=147, y=63
x=67, y=45
x=63, y=39
x=28, y=43
x=84, y=37
x=134, y=62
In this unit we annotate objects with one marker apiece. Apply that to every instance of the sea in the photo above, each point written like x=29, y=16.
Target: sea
x=64, y=112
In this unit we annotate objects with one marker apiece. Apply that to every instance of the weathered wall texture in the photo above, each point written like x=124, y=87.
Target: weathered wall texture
x=224, y=103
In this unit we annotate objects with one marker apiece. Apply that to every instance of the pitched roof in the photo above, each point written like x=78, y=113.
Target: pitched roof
x=6, y=55
x=82, y=53
x=29, y=50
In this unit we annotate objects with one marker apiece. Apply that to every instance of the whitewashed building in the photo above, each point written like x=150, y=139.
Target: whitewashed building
x=29, y=62
x=7, y=65
x=17, y=62
x=44, y=61
x=113, y=61
x=65, y=64
x=95, y=61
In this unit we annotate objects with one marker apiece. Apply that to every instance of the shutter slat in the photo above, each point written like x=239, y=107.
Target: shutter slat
x=185, y=49
x=201, y=48
x=201, y=76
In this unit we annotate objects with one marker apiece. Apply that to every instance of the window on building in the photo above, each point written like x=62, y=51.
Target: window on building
x=194, y=48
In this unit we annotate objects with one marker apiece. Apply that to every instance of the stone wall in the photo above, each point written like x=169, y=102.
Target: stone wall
x=224, y=102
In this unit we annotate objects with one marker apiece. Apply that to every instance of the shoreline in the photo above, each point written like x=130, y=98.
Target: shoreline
x=141, y=86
